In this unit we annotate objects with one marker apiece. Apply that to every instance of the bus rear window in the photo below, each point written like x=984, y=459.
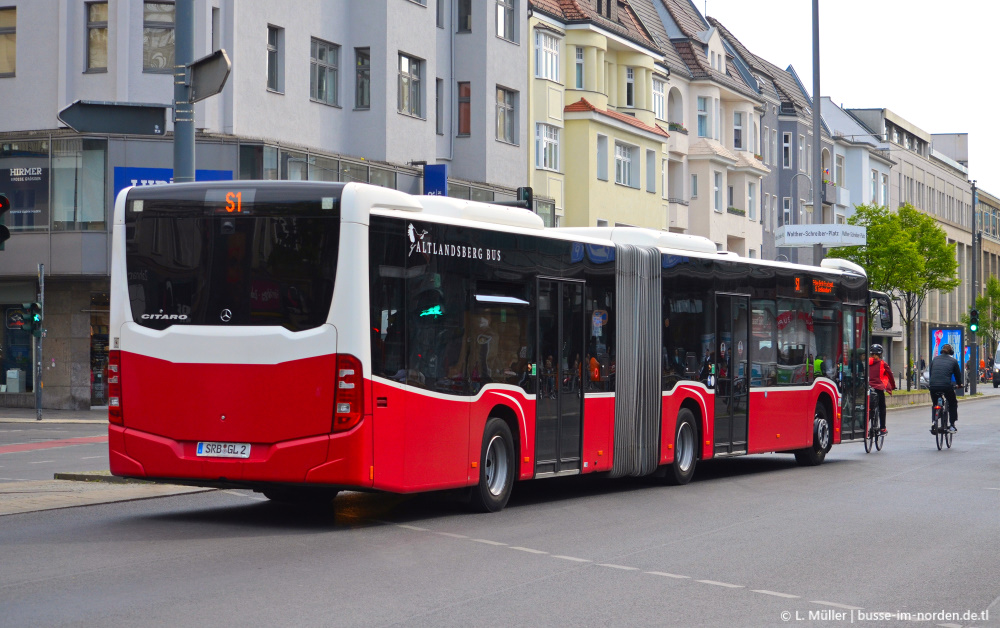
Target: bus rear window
x=273, y=263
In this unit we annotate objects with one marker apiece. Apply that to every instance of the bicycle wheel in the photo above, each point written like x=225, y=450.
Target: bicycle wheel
x=947, y=439
x=879, y=439
x=938, y=429
x=870, y=432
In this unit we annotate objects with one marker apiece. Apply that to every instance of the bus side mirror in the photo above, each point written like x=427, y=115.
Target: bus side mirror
x=884, y=309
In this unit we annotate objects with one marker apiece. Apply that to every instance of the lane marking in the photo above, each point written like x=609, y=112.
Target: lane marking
x=572, y=558
x=90, y=457
x=992, y=489
x=527, y=549
x=950, y=625
x=665, y=574
x=409, y=527
x=488, y=542
x=62, y=442
x=835, y=605
x=454, y=536
x=721, y=584
x=39, y=461
x=622, y=567
x=774, y=593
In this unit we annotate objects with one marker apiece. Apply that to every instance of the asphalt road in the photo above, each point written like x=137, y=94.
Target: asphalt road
x=40, y=464
x=909, y=529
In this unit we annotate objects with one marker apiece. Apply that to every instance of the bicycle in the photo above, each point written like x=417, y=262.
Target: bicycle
x=939, y=422
x=873, y=435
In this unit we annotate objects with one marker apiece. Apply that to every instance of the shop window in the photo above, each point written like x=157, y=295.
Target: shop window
x=78, y=184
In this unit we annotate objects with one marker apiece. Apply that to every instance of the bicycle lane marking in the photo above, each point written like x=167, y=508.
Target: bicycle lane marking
x=62, y=442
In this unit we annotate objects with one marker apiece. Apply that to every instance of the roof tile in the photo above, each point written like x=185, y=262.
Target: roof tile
x=585, y=105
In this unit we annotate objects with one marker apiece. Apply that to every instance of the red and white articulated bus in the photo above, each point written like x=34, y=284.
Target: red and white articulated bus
x=301, y=338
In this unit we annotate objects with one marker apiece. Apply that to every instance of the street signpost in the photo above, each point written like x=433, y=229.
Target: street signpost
x=209, y=74
x=125, y=118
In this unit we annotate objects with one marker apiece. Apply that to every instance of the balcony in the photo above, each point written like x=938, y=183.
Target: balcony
x=829, y=193
x=678, y=142
x=677, y=210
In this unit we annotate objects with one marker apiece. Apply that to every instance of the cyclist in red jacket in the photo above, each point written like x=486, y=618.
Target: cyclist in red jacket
x=880, y=378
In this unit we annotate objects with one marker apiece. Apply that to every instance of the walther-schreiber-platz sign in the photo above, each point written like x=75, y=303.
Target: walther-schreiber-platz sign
x=826, y=235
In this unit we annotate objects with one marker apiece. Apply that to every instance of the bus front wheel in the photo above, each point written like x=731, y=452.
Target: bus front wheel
x=681, y=470
x=822, y=440
x=496, y=468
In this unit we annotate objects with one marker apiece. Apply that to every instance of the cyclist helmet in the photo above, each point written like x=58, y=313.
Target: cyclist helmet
x=875, y=350
x=947, y=349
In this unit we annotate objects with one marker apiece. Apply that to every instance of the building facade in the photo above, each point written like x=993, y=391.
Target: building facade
x=346, y=91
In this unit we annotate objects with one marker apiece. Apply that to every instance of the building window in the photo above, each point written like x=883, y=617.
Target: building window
x=602, y=157
x=774, y=147
x=838, y=175
x=8, y=41
x=738, y=130
x=505, y=19
x=439, y=17
x=464, y=16
x=97, y=37
x=439, y=106
x=752, y=201
x=324, y=63
x=623, y=164
x=158, y=37
x=651, y=171
x=546, y=210
x=547, y=147
x=629, y=87
x=731, y=198
x=362, y=78
x=885, y=190
x=546, y=56
x=694, y=186
x=506, y=116
x=765, y=141
x=703, y=126
x=579, y=67
x=802, y=153
x=408, y=100
x=78, y=184
x=717, y=195
x=786, y=150
x=786, y=210
x=659, y=102
x=464, y=108
x=873, y=186
x=275, y=60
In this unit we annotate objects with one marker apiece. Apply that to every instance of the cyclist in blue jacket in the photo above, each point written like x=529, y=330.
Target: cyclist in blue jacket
x=943, y=368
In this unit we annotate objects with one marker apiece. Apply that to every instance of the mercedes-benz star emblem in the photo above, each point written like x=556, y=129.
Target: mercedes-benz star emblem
x=226, y=315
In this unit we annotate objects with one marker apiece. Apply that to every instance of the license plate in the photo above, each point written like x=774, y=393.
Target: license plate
x=224, y=450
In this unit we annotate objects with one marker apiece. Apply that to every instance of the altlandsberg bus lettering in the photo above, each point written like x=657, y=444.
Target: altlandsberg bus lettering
x=343, y=336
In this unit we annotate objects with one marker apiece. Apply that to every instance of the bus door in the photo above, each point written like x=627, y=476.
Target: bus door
x=732, y=373
x=560, y=372
x=853, y=376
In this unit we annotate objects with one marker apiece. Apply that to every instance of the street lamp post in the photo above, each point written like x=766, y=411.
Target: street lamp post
x=817, y=124
x=973, y=343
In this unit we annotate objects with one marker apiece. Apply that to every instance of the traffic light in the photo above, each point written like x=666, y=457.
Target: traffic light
x=4, y=231
x=526, y=195
x=973, y=320
x=33, y=318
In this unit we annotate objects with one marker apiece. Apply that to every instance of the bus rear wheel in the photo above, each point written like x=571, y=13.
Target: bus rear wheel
x=822, y=440
x=681, y=470
x=496, y=468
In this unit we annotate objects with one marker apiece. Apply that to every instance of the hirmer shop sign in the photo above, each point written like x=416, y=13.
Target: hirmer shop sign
x=825, y=235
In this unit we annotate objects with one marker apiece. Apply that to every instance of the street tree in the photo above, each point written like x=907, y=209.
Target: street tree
x=988, y=305
x=908, y=257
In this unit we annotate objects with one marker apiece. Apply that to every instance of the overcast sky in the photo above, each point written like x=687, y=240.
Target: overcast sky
x=929, y=62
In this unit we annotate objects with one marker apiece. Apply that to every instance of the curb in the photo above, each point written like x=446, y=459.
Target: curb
x=925, y=404
x=99, y=476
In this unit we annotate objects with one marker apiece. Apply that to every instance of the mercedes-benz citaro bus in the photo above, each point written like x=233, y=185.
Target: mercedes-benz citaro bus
x=302, y=338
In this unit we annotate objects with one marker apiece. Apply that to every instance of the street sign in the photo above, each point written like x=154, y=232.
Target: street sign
x=88, y=116
x=208, y=75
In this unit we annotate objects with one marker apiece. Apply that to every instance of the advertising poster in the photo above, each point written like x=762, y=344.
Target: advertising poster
x=25, y=181
x=943, y=335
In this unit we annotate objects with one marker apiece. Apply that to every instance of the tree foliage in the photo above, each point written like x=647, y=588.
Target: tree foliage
x=988, y=305
x=907, y=256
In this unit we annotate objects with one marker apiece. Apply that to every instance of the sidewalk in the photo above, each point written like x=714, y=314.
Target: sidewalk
x=22, y=497
x=24, y=415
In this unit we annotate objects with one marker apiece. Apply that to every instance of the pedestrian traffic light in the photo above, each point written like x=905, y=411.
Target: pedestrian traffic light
x=33, y=318
x=973, y=320
x=4, y=231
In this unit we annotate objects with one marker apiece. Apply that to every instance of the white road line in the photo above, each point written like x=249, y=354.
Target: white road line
x=721, y=584
x=572, y=558
x=488, y=542
x=90, y=457
x=775, y=593
x=527, y=549
x=992, y=489
x=950, y=625
x=622, y=567
x=666, y=575
x=454, y=536
x=40, y=461
x=408, y=527
x=835, y=605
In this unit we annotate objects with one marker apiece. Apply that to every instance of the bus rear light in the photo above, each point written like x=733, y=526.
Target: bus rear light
x=115, y=388
x=348, y=402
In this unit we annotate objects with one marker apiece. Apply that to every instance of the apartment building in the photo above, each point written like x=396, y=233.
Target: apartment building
x=352, y=90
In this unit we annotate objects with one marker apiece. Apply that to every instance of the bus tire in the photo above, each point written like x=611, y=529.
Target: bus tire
x=681, y=470
x=822, y=440
x=496, y=468
x=314, y=497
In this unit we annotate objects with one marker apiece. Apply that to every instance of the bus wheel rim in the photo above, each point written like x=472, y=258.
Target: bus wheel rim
x=822, y=432
x=496, y=465
x=685, y=447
